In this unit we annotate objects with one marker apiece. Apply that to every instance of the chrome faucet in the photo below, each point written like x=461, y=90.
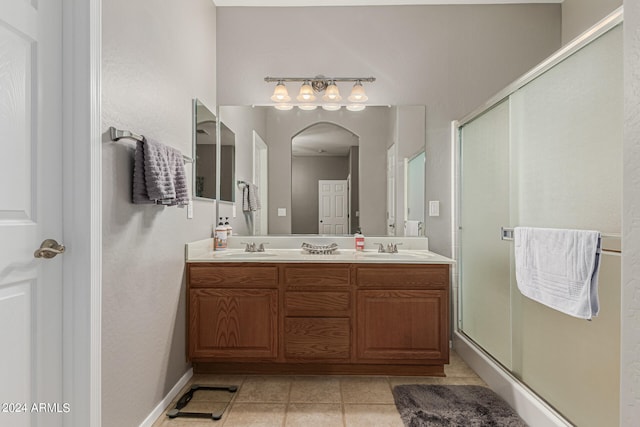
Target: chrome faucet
x=392, y=248
x=252, y=247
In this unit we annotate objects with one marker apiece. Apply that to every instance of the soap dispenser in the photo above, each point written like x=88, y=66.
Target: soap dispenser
x=221, y=236
x=359, y=237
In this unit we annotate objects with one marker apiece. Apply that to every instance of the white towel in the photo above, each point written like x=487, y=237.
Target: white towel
x=412, y=228
x=250, y=199
x=559, y=268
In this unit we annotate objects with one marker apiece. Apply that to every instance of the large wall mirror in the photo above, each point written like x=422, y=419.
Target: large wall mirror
x=205, y=138
x=332, y=172
x=212, y=139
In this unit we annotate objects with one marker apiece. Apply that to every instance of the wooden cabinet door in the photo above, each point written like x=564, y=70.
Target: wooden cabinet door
x=403, y=325
x=233, y=323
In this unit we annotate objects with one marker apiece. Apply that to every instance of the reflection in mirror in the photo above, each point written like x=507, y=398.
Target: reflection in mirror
x=261, y=180
x=415, y=206
x=204, y=147
x=227, y=164
x=299, y=141
x=323, y=157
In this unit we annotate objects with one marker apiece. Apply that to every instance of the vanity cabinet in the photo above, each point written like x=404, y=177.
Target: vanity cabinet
x=415, y=301
x=317, y=318
x=233, y=312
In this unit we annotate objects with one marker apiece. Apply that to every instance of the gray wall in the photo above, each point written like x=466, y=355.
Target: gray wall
x=630, y=338
x=306, y=171
x=449, y=58
x=154, y=61
x=579, y=15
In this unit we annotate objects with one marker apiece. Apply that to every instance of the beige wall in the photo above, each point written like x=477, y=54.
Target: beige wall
x=155, y=60
x=449, y=58
x=579, y=15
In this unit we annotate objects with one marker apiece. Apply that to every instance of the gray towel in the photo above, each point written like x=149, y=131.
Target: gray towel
x=250, y=199
x=158, y=175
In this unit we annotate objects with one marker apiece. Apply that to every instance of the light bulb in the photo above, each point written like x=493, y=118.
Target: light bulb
x=280, y=93
x=332, y=94
x=357, y=93
x=306, y=93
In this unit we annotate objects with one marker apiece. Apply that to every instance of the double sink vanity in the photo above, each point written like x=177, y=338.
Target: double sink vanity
x=285, y=310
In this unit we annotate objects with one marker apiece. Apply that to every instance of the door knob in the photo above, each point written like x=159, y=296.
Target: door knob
x=48, y=249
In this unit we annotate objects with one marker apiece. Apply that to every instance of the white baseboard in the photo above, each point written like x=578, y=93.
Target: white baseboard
x=533, y=410
x=160, y=408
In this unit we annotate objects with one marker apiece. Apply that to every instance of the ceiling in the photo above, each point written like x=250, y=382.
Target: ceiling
x=271, y=3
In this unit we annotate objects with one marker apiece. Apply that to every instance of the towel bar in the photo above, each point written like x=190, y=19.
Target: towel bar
x=117, y=135
x=507, y=234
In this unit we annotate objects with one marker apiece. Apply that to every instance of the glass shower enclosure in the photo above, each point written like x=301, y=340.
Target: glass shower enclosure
x=546, y=154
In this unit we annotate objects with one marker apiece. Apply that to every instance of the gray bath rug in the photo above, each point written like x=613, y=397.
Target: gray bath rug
x=453, y=405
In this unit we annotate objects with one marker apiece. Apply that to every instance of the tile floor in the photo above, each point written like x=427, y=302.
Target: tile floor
x=307, y=401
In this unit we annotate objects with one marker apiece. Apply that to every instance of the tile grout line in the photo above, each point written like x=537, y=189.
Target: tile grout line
x=342, y=405
x=288, y=402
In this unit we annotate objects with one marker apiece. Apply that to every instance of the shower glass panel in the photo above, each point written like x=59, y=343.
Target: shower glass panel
x=548, y=155
x=566, y=138
x=485, y=308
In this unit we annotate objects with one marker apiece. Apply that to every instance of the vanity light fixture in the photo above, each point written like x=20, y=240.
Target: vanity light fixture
x=357, y=93
x=315, y=85
x=306, y=93
x=332, y=94
x=280, y=93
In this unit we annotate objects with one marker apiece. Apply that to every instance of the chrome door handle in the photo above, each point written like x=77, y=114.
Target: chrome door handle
x=48, y=249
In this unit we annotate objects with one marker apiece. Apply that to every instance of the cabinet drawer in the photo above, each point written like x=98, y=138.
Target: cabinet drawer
x=317, y=338
x=217, y=276
x=316, y=275
x=404, y=276
x=300, y=303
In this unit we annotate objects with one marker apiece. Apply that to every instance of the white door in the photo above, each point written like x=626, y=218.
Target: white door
x=30, y=211
x=333, y=201
x=391, y=190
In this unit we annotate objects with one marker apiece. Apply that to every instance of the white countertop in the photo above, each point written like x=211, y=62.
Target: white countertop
x=201, y=251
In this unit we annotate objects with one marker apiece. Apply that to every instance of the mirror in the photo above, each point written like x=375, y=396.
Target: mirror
x=207, y=147
x=204, y=147
x=227, y=164
x=344, y=148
